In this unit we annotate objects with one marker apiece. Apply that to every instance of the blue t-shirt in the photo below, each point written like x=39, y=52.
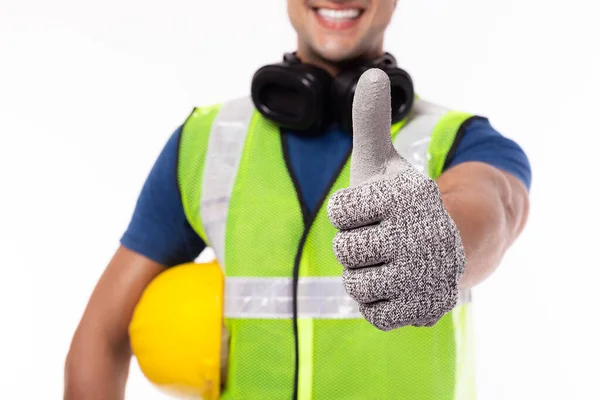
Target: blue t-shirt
x=160, y=230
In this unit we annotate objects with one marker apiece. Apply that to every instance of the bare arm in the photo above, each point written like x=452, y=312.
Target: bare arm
x=490, y=208
x=97, y=364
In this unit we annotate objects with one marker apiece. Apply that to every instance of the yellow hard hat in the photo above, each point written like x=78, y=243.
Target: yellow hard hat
x=177, y=328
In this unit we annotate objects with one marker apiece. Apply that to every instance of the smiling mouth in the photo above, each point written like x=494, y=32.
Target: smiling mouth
x=338, y=18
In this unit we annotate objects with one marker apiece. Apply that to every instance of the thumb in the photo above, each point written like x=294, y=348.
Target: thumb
x=373, y=150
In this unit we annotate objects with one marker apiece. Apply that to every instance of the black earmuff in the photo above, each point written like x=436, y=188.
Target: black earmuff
x=344, y=86
x=293, y=95
x=305, y=98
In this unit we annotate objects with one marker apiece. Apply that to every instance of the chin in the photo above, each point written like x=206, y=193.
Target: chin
x=336, y=51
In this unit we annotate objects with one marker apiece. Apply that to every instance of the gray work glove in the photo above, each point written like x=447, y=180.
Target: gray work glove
x=401, y=251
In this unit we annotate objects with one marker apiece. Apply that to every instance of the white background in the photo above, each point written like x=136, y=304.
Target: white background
x=90, y=92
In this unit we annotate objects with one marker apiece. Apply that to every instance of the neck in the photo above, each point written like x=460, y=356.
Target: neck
x=308, y=56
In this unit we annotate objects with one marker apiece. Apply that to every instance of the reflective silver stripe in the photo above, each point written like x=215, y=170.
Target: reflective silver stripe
x=271, y=298
x=412, y=142
x=223, y=154
x=464, y=297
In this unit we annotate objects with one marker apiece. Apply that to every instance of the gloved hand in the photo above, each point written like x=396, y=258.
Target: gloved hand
x=401, y=251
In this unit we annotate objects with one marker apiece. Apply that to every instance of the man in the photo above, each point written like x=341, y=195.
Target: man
x=390, y=322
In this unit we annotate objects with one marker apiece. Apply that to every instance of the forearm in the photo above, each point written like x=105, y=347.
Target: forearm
x=96, y=370
x=489, y=208
x=98, y=361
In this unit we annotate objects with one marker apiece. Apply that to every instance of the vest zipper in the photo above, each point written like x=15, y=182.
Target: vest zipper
x=308, y=221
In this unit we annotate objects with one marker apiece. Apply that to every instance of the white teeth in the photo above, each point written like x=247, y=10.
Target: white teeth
x=338, y=15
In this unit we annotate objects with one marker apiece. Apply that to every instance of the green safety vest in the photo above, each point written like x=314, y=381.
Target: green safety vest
x=295, y=333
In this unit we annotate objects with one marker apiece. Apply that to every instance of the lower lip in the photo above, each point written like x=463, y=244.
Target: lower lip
x=337, y=25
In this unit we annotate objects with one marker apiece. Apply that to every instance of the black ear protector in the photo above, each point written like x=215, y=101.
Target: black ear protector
x=305, y=98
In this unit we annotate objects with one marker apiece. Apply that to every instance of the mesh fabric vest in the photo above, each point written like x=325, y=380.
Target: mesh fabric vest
x=295, y=334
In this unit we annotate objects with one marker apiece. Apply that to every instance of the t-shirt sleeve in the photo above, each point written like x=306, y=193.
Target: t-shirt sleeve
x=159, y=228
x=479, y=141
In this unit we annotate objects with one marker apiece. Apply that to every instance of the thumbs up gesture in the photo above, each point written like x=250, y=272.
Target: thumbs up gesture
x=401, y=251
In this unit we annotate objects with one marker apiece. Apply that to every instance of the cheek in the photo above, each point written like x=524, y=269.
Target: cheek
x=383, y=17
x=295, y=15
